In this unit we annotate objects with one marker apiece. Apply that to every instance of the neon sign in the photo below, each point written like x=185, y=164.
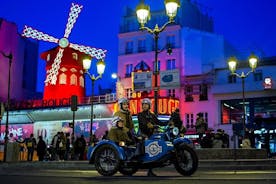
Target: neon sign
x=165, y=105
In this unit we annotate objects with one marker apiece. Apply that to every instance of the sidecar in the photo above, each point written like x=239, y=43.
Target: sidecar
x=109, y=158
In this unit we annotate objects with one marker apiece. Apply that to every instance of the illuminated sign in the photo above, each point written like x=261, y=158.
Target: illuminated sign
x=267, y=83
x=165, y=105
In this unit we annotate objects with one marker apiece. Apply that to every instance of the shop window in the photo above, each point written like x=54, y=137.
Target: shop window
x=73, y=80
x=62, y=78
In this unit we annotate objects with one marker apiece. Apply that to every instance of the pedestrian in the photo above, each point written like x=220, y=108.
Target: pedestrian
x=54, y=144
x=41, y=148
x=177, y=122
x=31, y=146
x=201, y=126
x=147, y=120
x=80, y=146
x=61, y=146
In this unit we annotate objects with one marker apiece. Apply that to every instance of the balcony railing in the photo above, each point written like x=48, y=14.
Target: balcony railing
x=64, y=102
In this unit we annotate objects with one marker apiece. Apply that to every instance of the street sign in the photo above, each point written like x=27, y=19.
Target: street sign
x=169, y=79
x=142, y=81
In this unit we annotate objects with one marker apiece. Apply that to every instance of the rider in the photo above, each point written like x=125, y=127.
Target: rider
x=117, y=132
x=125, y=115
x=147, y=120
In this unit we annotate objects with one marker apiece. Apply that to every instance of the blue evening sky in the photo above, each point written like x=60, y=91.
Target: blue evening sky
x=246, y=24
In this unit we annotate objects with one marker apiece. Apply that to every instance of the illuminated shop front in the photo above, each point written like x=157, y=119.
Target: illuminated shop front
x=47, y=117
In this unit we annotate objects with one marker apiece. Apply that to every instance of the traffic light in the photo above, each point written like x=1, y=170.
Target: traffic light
x=74, y=103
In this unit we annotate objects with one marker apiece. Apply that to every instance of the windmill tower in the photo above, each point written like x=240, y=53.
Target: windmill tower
x=64, y=72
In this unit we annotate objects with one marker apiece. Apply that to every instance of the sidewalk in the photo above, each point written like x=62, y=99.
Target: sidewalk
x=242, y=164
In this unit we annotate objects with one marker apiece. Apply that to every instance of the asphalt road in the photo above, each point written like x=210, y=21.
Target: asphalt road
x=164, y=176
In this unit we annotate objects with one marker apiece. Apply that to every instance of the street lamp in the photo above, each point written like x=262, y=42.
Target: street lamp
x=100, y=70
x=232, y=64
x=143, y=15
x=8, y=105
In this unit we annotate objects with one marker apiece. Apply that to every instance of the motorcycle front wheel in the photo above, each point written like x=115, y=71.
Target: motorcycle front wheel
x=186, y=160
x=107, y=160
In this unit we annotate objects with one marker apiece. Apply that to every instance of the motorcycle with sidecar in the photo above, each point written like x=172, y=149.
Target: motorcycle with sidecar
x=159, y=150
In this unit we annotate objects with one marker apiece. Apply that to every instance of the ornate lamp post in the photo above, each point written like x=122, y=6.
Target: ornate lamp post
x=8, y=105
x=143, y=15
x=100, y=71
x=232, y=63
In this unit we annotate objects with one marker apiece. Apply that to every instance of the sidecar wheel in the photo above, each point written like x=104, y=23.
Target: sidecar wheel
x=128, y=171
x=186, y=162
x=107, y=160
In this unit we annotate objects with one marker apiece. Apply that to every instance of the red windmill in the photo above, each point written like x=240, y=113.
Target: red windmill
x=64, y=70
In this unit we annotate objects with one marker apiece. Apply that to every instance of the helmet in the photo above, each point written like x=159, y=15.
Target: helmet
x=146, y=101
x=115, y=120
x=122, y=100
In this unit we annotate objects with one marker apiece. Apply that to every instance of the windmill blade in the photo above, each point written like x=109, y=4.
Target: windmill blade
x=73, y=15
x=29, y=32
x=52, y=74
x=97, y=53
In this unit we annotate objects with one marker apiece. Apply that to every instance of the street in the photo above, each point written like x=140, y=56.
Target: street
x=164, y=176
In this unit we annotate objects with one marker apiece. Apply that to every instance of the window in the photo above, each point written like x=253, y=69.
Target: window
x=48, y=57
x=141, y=45
x=232, y=79
x=258, y=75
x=171, y=92
x=62, y=78
x=129, y=47
x=189, y=119
x=75, y=56
x=73, y=80
x=81, y=81
x=129, y=93
x=158, y=65
x=188, y=93
x=203, y=92
x=171, y=41
x=170, y=64
x=128, y=70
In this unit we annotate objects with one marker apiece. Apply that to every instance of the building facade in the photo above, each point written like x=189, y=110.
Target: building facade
x=23, y=66
x=200, y=55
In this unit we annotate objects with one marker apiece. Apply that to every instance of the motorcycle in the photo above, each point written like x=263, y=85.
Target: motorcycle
x=160, y=150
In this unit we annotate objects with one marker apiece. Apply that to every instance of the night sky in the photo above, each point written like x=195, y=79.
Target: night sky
x=246, y=24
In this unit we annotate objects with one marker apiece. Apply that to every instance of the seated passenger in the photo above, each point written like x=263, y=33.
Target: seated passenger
x=117, y=133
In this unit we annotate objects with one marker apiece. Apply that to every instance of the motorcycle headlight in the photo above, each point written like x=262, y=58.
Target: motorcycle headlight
x=175, y=131
x=122, y=143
